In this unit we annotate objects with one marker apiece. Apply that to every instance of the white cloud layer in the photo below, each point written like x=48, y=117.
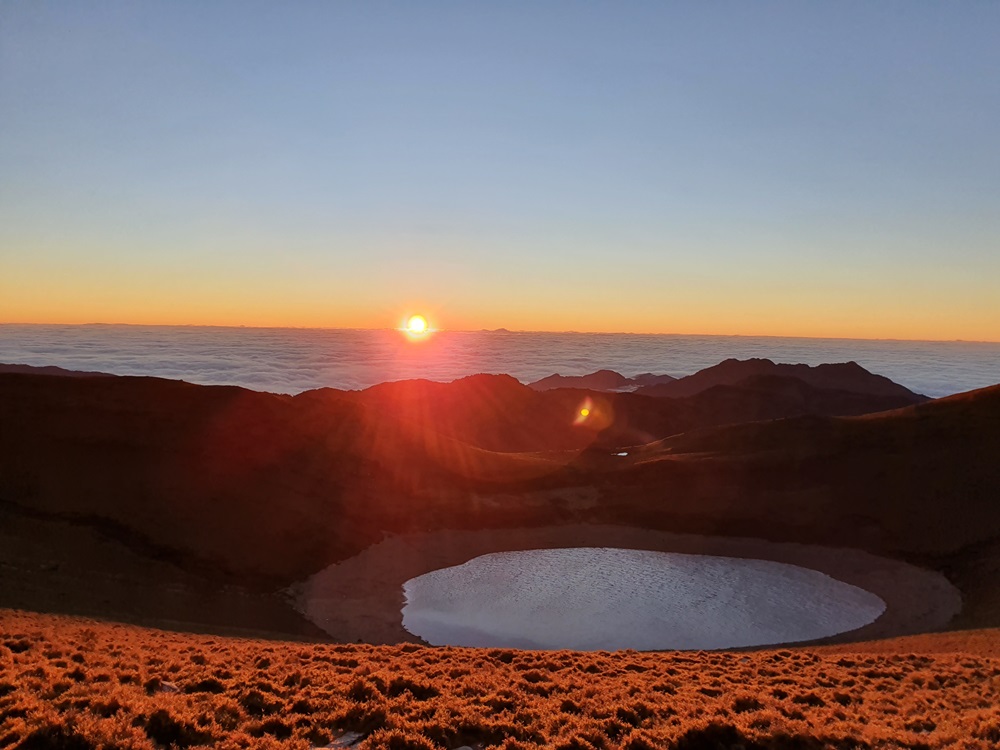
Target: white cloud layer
x=284, y=360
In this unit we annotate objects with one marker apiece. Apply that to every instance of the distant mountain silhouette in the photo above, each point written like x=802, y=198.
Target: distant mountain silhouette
x=848, y=376
x=602, y=380
x=648, y=378
x=52, y=370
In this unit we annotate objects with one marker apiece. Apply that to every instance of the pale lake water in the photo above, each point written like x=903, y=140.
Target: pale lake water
x=608, y=599
x=291, y=360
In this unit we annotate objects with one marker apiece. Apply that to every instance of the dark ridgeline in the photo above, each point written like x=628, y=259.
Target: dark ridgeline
x=848, y=377
x=602, y=380
x=52, y=370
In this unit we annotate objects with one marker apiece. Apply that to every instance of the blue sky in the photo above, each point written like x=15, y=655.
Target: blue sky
x=800, y=168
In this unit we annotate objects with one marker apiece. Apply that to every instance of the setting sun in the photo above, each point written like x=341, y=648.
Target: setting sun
x=416, y=325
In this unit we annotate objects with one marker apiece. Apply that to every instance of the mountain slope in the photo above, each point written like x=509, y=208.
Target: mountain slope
x=264, y=487
x=848, y=376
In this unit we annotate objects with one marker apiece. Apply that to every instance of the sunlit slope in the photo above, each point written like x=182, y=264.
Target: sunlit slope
x=76, y=683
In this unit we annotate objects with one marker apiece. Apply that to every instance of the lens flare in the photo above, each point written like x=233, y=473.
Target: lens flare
x=584, y=412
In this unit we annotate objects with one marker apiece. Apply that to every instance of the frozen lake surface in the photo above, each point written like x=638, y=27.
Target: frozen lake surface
x=595, y=598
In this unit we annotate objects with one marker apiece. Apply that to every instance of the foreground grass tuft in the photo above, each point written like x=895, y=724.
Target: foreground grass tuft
x=73, y=684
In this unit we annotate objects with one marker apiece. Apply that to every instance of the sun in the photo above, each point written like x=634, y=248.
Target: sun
x=416, y=325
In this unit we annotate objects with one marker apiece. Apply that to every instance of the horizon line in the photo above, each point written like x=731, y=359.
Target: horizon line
x=502, y=330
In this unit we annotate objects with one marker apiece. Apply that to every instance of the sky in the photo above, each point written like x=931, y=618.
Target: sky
x=775, y=168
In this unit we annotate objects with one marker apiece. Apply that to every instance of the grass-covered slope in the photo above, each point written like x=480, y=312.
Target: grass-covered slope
x=67, y=683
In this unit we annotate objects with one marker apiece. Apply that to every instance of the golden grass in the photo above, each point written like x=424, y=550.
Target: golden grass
x=78, y=684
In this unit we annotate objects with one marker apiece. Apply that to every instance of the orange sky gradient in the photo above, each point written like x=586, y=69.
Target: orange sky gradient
x=725, y=309
x=787, y=169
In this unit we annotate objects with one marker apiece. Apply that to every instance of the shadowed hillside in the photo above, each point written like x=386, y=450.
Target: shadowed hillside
x=497, y=413
x=228, y=486
x=602, y=380
x=847, y=376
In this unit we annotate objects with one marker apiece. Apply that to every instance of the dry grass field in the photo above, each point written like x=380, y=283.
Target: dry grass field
x=75, y=684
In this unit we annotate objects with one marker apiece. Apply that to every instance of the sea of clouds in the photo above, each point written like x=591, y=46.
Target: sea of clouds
x=291, y=360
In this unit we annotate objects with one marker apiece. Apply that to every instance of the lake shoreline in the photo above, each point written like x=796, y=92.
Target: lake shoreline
x=362, y=597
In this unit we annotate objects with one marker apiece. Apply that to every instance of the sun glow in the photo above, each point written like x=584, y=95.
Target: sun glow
x=416, y=327
x=417, y=324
